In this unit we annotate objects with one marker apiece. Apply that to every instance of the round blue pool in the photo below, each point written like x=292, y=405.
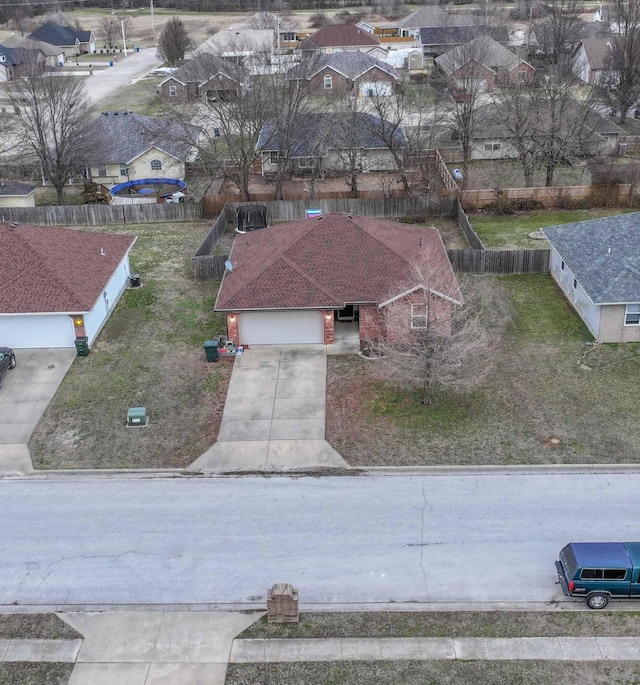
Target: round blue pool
x=164, y=187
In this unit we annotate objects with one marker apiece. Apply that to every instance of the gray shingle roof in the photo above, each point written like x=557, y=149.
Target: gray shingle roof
x=204, y=66
x=457, y=35
x=350, y=64
x=432, y=15
x=15, y=188
x=14, y=41
x=315, y=133
x=120, y=137
x=484, y=50
x=604, y=256
x=59, y=35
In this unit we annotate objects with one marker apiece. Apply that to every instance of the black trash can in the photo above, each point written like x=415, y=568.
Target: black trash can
x=211, y=350
x=82, y=346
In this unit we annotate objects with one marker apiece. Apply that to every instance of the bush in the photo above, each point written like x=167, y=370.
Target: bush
x=504, y=205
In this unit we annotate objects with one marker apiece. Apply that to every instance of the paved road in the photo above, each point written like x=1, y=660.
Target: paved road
x=349, y=539
x=107, y=81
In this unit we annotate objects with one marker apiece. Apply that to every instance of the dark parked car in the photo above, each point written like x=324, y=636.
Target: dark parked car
x=7, y=361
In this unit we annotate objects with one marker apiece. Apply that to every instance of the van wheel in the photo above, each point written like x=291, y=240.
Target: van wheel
x=597, y=600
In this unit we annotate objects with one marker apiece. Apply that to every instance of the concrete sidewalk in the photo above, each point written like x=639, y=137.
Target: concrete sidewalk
x=274, y=415
x=429, y=649
x=35, y=651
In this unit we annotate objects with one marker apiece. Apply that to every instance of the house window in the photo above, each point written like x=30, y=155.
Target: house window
x=562, y=266
x=173, y=91
x=305, y=162
x=124, y=170
x=418, y=316
x=156, y=165
x=575, y=283
x=328, y=82
x=490, y=147
x=102, y=173
x=273, y=157
x=632, y=315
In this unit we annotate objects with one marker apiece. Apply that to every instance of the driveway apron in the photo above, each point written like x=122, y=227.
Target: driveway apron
x=274, y=415
x=25, y=394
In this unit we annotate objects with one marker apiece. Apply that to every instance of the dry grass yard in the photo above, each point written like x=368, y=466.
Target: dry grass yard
x=150, y=354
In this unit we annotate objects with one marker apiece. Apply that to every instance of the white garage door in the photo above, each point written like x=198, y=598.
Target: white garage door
x=36, y=331
x=281, y=327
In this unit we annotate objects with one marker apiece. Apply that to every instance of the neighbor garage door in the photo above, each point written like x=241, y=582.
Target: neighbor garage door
x=281, y=327
x=36, y=331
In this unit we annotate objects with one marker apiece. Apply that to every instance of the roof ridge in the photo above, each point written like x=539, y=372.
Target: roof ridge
x=313, y=281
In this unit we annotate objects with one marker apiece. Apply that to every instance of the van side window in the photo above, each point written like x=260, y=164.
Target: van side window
x=615, y=574
x=591, y=574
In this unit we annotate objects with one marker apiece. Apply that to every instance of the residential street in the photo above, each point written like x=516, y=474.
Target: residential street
x=107, y=81
x=352, y=539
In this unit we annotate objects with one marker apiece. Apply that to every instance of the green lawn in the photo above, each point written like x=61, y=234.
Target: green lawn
x=548, y=384
x=150, y=353
x=512, y=230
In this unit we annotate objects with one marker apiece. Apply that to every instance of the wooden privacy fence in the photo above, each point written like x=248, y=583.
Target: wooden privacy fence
x=96, y=215
x=500, y=261
x=556, y=196
x=207, y=266
x=467, y=229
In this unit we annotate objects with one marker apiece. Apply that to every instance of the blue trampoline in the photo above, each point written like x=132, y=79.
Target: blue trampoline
x=164, y=187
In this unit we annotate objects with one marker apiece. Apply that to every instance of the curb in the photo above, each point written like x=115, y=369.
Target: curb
x=497, y=470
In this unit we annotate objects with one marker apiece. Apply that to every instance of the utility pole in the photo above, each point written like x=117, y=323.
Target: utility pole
x=124, y=39
x=153, y=25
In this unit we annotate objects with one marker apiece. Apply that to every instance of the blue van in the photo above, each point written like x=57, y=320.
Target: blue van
x=600, y=571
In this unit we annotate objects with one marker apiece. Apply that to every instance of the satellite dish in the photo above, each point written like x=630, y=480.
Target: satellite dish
x=228, y=265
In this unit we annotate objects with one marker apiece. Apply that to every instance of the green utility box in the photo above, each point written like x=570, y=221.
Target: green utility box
x=137, y=416
x=82, y=346
x=211, y=350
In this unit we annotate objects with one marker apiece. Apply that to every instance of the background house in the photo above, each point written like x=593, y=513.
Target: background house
x=124, y=146
x=439, y=39
x=596, y=263
x=345, y=73
x=58, y=284
x=299, y=282
x=486, y=60
x=337, y=38
x=17, y=62
x=236, y=45
x=74, y=41
x=330, y=142
x=204, y=77
x=15, y=194
x=590, y=59
x=54, y=56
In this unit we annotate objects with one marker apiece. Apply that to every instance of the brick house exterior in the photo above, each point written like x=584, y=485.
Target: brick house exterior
x=342, y=85
x=333, y=270
x=205, y=76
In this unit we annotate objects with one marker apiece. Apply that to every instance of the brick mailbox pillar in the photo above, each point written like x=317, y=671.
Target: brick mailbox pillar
x=282, y=604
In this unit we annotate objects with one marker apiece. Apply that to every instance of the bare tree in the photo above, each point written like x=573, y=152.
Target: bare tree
x=435, y=342
x=560, y=31
x=110, y=29
x=619, y=86
x=174, y=42
x=20, y=18
x=465, y=71
x=51, y=112
x=270, y=20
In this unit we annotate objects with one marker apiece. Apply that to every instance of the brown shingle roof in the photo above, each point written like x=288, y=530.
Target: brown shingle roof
x=49, y=269
x=328, y=262
x=338, y=35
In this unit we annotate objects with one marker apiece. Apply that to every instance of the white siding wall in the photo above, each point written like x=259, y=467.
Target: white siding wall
x=102, y=308
x=588, y=311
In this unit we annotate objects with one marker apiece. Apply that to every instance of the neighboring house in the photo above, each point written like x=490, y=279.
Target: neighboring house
x=54, y=56
x=491, y=138
x=405, y=59
x=596, y=263
x=590, y=59
x=206, y=77
x=338, y=38
x=486, y=60
x=439, y=39
x=124, y=146
x=73, y=40
x=17, y=62
x=330, y=142
x=299, y=282
x=345, y=73
x=16, y=194
x=58, y=284
x=236, y=45
x=541, y=36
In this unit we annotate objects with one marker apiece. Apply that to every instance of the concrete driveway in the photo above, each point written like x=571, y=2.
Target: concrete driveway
x=25, y=394
x=274, y=415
